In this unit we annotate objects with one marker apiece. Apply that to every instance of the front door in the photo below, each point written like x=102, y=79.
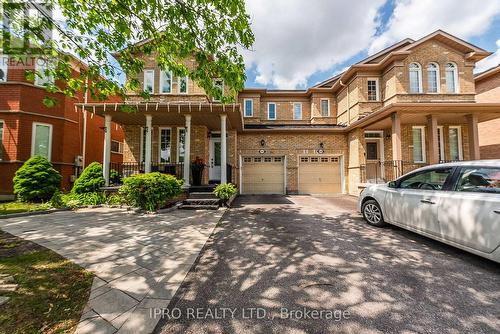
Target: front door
x=214, y=163
x=373, y=168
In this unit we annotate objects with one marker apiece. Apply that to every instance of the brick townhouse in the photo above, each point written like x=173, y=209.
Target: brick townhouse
x=412, y=104
x=28, y=127
x=488, y=90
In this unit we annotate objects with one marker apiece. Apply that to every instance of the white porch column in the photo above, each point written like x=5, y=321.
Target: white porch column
x=107, y=149
x=187, y=152
x=147, y=154
x=223, y=149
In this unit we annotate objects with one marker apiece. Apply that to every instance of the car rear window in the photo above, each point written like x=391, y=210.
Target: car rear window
x=479, y=179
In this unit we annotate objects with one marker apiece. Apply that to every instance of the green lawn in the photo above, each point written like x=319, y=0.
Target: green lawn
x=16, y=207
x=51, y=293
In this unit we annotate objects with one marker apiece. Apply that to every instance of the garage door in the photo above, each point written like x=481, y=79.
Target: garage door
x=319, y=175
x=263, y=175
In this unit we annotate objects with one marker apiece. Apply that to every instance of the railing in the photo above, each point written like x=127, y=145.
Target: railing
x=123, y=169
x=385, y=171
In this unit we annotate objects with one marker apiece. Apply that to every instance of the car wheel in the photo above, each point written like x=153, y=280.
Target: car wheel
x=372, y=213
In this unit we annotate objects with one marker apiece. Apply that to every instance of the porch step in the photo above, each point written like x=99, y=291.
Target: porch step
x=204, y=189
x=201, y=201
x=198, y=207
x=202, y=195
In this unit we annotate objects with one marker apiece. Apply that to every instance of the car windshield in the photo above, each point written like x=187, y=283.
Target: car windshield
x=427, y=180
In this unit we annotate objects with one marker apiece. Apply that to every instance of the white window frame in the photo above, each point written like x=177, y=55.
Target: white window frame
x=120, y=147
x=214, y=81
x=4, y=66
x=321, y=106
x=41, y=81
x=245, y=108
x=441, y=142
x=162, y=79
x=33, y=137
x=459, y=137
x=422, y=132
x=275, y=111
x=455, y=77
x=419, y=72
x=2, y=151
x=293, y=109
x=179, y=84
x=178, y=145
x=152, y=81
x=377, y=90
x=159, y=143
x=438, y=79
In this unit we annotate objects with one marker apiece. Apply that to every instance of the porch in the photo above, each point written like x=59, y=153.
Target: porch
x=169, y=137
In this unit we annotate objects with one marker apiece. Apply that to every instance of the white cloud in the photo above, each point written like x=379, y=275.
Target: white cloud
x=489, y=62
x=416, y=18
x=296, y=38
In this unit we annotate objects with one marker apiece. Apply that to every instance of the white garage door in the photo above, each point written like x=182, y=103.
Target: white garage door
x=263, y=175
x=320, y=175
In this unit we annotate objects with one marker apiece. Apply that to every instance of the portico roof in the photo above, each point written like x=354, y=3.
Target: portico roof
x=171, y=113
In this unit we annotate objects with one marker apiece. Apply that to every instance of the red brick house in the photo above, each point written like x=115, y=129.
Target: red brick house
x=488, y=90
x=28, y=127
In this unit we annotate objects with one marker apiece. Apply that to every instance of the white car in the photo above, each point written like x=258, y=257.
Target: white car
x=456, y=203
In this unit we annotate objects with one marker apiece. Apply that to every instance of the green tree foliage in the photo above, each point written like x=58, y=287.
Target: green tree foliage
x=36, y=180
x=210, y=31
x=150, y=191
x=90, y=180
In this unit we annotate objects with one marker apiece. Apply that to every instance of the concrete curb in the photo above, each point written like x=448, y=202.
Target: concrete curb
x=32, y=213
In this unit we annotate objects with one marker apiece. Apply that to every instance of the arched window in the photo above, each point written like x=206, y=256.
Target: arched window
x=415, y=78
x=451, y=78
x=433, y=78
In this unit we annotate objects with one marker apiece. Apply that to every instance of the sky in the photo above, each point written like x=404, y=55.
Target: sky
x=299, y=43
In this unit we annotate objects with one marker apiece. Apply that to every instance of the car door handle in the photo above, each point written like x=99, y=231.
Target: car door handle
x=496, y=211
x=427, y=201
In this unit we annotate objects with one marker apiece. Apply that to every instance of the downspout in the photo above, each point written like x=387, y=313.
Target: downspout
x=85, y=100
x=348, y=103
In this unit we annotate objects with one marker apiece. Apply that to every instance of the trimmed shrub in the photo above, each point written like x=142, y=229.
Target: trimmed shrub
x=115, y=199
x=150, y=191
x=73, y=200
x=91, y=179
x=225, y=191
x=36, y=180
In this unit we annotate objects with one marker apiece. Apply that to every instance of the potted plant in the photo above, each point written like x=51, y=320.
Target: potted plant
x=197, y=168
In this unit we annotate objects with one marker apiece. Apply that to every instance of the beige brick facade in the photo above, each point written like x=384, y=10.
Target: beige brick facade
x=488, y=90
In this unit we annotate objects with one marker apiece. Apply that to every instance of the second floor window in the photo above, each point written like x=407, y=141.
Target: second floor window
x=271, y=110
x=149, y=81
x=451, y=78
x=41, y=140
x=4, y=62
x=433, y=78
x=166, y=82
x=42, y=78
x=297, y=110
x=183, y=85
x=325, y=107
x=415, y=77
x=372, y=90
x=248, y=107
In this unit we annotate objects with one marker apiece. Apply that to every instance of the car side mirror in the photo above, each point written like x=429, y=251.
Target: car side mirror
x=392, y=184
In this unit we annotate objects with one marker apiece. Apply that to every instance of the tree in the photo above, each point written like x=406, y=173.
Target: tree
x=210, y=30
x=91, y=179
x=36, y=180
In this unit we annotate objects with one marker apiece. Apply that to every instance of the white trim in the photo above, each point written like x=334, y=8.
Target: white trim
x=150, y=71
x=342, y=176
x=2, y=123
x=459, y=138
x=321, y=106
x=179, y=84
x=419, y=72
x=4, y=66
x=293, y=110
x=455, y=77
x=241, y=175
x=245, y=107
x=160, y=91
x=422, y=132
x=120, y=147
x=177, y=155
x=377, y=90
x=440, y=129
x=438, y=77
x=275, y=111
x=381, y=153
x=33, y=136
x=285, y=161
x=159, y=142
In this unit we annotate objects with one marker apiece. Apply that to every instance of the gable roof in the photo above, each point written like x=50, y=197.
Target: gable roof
x=486, y=74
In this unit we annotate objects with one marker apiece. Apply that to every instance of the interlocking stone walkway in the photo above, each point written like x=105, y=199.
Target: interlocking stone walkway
x=139, y=261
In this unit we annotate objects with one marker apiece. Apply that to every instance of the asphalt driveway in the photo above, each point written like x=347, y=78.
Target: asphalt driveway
x=267, y=265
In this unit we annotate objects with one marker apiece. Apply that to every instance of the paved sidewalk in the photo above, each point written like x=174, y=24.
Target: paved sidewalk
x=139, y=260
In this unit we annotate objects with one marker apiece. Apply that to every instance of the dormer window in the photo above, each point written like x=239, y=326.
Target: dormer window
x=166, y=82
x=4, y=62
x=149, y=81
x=415, y=78
x=433, y=78
x=451, y=74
